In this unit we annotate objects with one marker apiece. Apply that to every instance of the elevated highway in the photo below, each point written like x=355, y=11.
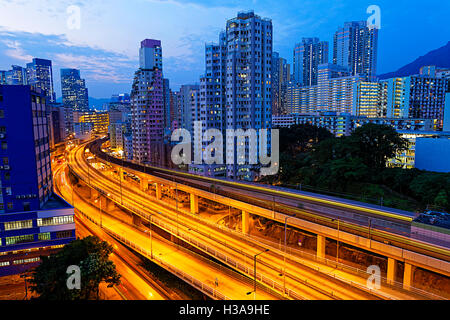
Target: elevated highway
x=79, y=165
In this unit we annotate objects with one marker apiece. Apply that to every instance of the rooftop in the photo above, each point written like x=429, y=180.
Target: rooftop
x=55, y=202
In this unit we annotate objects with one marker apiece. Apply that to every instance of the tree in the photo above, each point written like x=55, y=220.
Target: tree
x=441, y=199
x=91, y=255
x=295, y=143
x=301, y=138
x=374, y=144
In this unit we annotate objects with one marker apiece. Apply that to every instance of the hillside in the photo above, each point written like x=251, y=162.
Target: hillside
x=439, y=58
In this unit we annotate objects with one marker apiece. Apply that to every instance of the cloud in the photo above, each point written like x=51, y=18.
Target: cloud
x=15, y=50
x=97, y=68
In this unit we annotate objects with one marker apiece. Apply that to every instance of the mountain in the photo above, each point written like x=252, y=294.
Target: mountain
x=439, y=58
x=98, y=103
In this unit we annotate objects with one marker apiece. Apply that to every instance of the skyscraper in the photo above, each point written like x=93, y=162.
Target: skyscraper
x=40, y=74
x=356, y=47
x=147, y=105
x=74, y=95
x=308, y=55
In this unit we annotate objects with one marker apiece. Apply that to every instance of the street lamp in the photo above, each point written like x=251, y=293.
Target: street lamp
x=254, y=273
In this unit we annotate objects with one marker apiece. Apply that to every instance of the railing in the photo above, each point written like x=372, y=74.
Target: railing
x=226, y=259
x=213, y=293
x=269, y=282
x=284, y=209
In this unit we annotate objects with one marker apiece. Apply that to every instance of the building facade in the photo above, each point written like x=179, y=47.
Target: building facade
x=33, y=221
x=356, y=48
x=40, y=74
x=308, y=55
x=147, y=104
x=343, y=124
x=248, y=88
x=74, y=95
x=281, y=76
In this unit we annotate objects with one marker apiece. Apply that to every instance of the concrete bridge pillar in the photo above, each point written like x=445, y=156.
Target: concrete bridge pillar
x=391, y=270
x=245, y=222
x=158, y=191
x=408, y=276
x=194, y=203
x=144, y=184
x=321, y=244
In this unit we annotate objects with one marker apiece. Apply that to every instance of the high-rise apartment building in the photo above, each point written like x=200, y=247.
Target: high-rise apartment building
x=212, y=111
x=281, y=76
x=356, y=48
x=33, y=221
x=308, y=55
x=334, y=92
x=147, y=105
x=166, y=94
x=417, y=96
x=248, y=87
x=236, y=91
x=185, y=111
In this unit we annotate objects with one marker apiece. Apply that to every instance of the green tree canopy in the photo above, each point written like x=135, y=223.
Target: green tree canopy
x=91, y=255
x=374, y=144
x=301, y=138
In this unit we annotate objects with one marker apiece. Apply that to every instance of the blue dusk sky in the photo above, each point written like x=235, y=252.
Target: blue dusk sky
x=105, y=47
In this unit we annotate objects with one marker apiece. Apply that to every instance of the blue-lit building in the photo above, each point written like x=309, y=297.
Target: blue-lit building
x=356, y=48
x=308, y=55
x=281, y=76
x=75, y=96
x=16, y=76
x=33, y=220
x=40, y=75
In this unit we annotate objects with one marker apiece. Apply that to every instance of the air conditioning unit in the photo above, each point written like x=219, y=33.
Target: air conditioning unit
x=2, y=136
x=6, y=167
